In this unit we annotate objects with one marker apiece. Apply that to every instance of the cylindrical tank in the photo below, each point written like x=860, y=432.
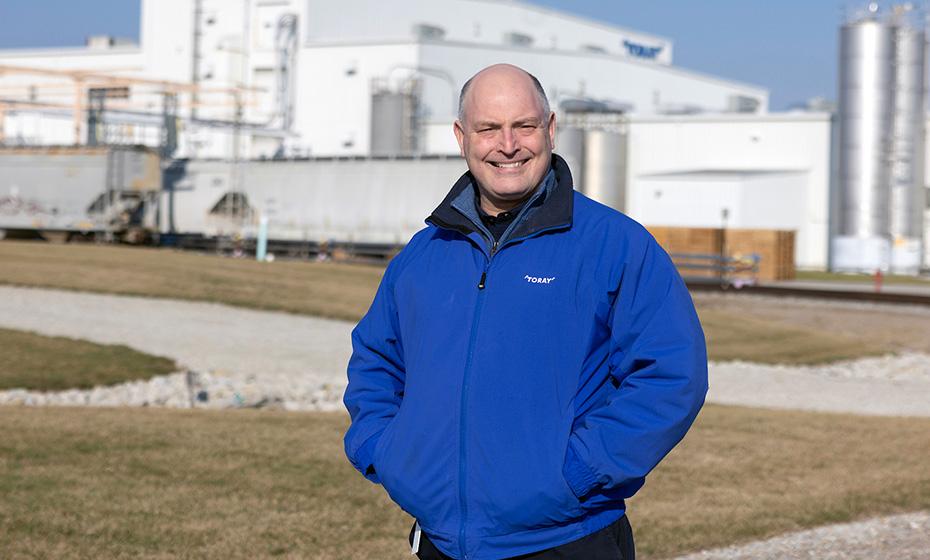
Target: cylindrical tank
x=907, y=161
x=605, y=168
x=569, y=143
x=866, y=104
x=393, y=122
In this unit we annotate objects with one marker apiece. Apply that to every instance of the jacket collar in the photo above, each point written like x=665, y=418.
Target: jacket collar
x=552, y=208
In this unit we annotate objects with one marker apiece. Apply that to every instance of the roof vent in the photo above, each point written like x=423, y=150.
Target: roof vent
x=103, y=42
x=742, y=104
x=518, y=39
x=594, y=49
x=429, y=32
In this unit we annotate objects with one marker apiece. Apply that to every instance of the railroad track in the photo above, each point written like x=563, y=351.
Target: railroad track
x=814, y=293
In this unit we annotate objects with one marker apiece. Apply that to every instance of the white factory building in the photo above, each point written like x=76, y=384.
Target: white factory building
x=251, y=79
x=307, y=71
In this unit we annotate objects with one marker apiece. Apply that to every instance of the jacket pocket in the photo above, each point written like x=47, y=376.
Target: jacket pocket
x=377, y=454
x=523, y=489
x=409, y=474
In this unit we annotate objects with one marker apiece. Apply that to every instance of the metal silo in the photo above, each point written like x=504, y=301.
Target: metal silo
x=866, y=96
x=605, y=167
x=569, y=143
x=394, y=120
x=907, y=160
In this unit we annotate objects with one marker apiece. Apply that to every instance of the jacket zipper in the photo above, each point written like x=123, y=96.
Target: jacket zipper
x=484, y=273
x=482, y=283
x=479, y=305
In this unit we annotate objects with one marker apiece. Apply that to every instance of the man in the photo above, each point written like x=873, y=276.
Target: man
x=529, y=357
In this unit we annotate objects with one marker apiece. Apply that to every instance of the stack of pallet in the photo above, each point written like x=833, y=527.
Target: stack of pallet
x=775, y=249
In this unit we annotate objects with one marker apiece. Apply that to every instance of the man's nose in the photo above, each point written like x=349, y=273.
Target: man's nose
x=509, y=144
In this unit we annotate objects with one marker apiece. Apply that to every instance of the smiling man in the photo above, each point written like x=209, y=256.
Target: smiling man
x=529, y=357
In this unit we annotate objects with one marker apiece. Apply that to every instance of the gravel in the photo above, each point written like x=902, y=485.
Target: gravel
x=238, y=357
x=886, y=386
x=901, y=537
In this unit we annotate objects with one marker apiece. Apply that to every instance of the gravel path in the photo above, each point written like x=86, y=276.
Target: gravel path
x=236, y=357
x=898, y=537
x=887, y=386
x=239, y=356
x=244, y=357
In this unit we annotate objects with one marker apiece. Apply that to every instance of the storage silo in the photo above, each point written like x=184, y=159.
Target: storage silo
x=394, y=120
x=866, y=104
x=907, y=159
x=569, y=143
x=605, y=167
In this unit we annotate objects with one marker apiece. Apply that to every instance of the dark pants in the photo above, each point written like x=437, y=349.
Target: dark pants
x=614, y=542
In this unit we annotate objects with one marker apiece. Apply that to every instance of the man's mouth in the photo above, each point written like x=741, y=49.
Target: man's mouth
x=508, y=164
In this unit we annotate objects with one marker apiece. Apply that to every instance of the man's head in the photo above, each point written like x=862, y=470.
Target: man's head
x=506, y=132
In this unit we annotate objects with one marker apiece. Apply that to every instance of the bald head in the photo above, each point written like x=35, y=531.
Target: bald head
x=508, y=75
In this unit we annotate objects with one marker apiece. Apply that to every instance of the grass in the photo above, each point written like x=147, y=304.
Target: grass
x=45, y=363
x=819, y=276
x=735, y=337
x=344, y=291
x=339, y=291
x=116, y=483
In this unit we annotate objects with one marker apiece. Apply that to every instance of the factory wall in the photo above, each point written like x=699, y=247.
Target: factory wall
x=166, y=37
x=335, y=83
x=477, y=21
x=768, y=171
x=334, y=86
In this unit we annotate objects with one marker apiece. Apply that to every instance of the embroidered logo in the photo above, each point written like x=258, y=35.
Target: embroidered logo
x=538, y=280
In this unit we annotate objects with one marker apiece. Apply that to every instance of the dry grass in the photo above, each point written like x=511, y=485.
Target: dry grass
x=344, y=291
x=339, y=291
x=82, y=483
x=814, y=275
x=733, y=336
x=871, y=328
x=744, y=474
x=45, y=363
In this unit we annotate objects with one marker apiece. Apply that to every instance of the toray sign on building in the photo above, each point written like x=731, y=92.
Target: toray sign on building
x=641, y=51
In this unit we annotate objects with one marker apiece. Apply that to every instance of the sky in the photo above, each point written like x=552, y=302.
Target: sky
x=788, y=46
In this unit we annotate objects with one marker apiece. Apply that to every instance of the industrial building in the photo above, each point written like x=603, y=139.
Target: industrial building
x=299, y=110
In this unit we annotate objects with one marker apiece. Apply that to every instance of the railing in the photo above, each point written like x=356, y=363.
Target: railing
x=730, y=271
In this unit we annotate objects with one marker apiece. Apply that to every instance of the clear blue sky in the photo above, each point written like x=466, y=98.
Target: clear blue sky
x=788, y=46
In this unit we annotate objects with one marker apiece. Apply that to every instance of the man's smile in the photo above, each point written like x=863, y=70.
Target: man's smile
x=508, y=164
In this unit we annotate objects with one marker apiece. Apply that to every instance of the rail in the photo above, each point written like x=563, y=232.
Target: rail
x=735, y=271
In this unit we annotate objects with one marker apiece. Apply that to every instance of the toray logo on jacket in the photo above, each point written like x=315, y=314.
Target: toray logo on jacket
x=538, y=279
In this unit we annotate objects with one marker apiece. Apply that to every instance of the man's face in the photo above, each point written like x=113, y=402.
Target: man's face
x=506, y=139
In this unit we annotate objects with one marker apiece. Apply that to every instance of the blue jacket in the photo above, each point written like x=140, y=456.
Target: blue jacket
x=510, y=396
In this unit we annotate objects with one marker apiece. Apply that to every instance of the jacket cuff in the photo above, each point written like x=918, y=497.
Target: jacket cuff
x=364, y=459
x=579, y=476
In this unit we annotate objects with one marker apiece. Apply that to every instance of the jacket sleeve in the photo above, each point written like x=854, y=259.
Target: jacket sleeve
x=375, y=377
x=658, y=359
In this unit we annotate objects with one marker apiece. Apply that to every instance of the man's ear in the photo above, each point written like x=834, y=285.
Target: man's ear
x=459, y=131
x=551, y=127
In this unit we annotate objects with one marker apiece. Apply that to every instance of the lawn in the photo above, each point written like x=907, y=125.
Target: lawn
x=344, y=291
x=50, y=363
x=149, y=483
x=339, y=291
x=816, y=275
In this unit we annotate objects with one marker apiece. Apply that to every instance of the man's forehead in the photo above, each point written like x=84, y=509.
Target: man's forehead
x=504, y=96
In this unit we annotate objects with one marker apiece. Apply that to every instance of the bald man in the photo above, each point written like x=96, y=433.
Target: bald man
x=529, y=356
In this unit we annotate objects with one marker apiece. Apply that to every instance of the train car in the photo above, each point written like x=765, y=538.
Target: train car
x=60, y=193
x=368, y=206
